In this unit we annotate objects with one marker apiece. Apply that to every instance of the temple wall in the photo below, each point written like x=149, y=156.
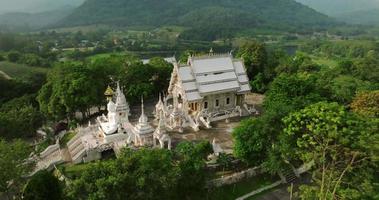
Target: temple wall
x=222, y=101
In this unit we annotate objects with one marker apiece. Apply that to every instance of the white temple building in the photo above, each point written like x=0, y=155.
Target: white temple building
x=115, y=131
x=205, y=89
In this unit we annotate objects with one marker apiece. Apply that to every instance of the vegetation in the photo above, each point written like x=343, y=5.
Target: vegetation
x=321, y=85
x=13, y=165
x=299, y=126
x=340, y=144
x=19, y=118
x=207, y=20
x=143, y=174
x=43, y=185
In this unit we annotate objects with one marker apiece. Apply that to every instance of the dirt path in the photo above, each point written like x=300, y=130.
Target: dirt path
x=6, y=76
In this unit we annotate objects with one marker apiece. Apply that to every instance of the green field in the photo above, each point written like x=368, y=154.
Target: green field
x=20, y=71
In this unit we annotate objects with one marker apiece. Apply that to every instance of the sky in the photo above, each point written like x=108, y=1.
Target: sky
x=35, y=5
x=326, y=6
x=335, y=7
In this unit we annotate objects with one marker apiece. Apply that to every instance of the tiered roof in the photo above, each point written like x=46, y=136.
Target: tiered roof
x=213, y=74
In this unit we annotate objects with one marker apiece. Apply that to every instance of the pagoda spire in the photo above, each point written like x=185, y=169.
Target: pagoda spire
x=142, y=106
x=143, y=118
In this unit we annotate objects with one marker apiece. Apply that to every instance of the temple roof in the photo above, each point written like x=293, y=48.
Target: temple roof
x=212, y=75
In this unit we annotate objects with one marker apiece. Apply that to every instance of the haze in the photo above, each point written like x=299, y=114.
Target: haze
x=336, y=7
x=32, y=6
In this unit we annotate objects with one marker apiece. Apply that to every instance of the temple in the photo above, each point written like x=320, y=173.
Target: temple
x=205, y=89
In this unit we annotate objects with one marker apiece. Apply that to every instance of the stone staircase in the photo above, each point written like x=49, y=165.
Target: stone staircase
x=76, y=149
x=288, y=174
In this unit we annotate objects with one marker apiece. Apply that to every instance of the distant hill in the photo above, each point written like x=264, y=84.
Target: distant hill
x=35, y=21
x=338, y=7
x=366, y=17
x=210, y=17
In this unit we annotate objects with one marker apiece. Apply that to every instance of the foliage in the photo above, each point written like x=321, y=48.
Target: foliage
x=366, y=103
x=43, y=185
x=13, y=166
x=251, y=141
x=162, y=73
x=14, y=56
x=254, y=55
x=199, y=150
x=224, y=160
x=340, y=145
x=69, y=88
x=143, y=174
x=206, y=20
x=20, y=118
x=344, y=88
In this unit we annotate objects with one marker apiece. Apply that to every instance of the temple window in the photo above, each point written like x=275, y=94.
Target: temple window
x=217, y=103
x=206, y=105
x=227, y=101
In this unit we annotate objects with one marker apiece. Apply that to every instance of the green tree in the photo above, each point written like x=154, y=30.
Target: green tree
x=162, y=73
x=70, y=87
x=137, y=78
x=344, y=88
x=43, y=185
x=13, y=166
x=340, y=146
x=251, y=142
x=14, y=56
x=143, y=174
x=255, y=57
x=20, y=118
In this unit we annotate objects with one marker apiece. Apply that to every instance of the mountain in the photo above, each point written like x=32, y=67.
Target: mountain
x=35, y=6
x=365, y=17
x=35, y=21
x=337, y=7
x=213, y=15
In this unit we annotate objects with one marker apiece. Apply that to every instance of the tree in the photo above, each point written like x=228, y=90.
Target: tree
x=367, y=67
x=43, y=185
x=143, y=174
x=20, y=118
x=138, y=81
x=344, y=88
x=251, y=142
x=162, y=73
x=340, y=146
x=254, y=55
x=14, y=56
x=13, y=164
x=70, y=87
x=366, y=103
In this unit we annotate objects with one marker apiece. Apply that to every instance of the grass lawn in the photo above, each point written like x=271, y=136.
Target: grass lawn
x=20, y=71
x=239, y=189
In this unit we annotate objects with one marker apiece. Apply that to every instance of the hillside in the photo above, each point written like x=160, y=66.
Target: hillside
x=365, y=17
x=35, y=20
x=214, y=17
x=336, y=7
